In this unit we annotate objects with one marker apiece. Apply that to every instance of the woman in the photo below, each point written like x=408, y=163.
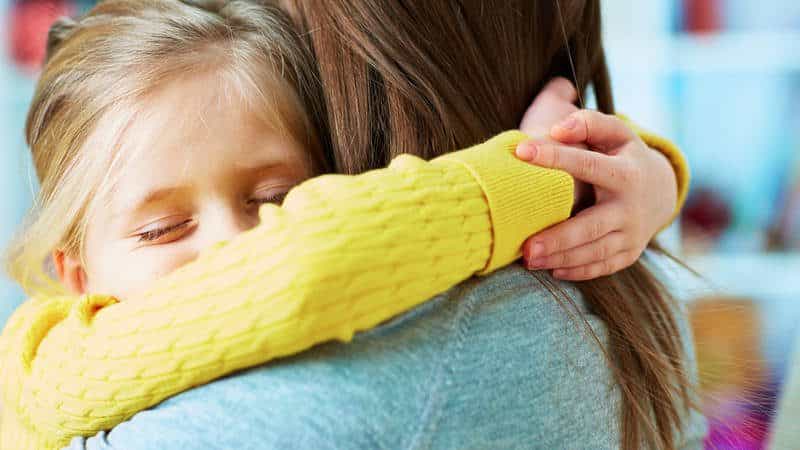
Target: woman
x=501, y=367
x=355, y=38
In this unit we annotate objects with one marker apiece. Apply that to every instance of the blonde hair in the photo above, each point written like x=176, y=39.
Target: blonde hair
x=101, y=65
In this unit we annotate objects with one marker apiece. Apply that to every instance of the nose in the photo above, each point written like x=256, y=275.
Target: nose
x=225, y=222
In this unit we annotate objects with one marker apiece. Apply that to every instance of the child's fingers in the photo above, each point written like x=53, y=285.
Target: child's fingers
x=599, y=269
x=588, y=226
x=600, y=131
x=562, y=88
x=594, y=168
x=597, y=251
x=551, y=105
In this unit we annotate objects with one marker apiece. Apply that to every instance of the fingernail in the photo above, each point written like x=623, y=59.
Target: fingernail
x=527, y=151
x=559, y=273
x=533, y=150
x=569, y=124
x=538, y=250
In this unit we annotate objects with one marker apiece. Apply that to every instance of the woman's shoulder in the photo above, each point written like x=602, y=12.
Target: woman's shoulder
x=550, y=376
x=529, y=367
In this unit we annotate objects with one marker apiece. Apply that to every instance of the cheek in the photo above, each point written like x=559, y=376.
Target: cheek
x=125, y=272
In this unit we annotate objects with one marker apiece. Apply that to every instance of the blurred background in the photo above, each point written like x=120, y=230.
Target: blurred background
x=719, y=77
x=722, y=78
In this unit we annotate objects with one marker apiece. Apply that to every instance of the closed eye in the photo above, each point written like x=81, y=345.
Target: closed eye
x=276, y=199
x=164, y=235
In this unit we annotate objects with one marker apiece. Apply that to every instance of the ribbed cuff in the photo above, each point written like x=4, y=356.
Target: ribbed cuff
x=523, y=199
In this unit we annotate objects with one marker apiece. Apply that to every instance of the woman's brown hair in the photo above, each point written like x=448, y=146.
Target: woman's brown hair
x=428, y=77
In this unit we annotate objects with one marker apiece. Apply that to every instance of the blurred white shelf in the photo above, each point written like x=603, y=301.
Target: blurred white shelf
x=758, y=275
x=751, y=51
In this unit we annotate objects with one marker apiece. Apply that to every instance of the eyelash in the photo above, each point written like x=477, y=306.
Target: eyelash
x=152, y=235
x=275, y=199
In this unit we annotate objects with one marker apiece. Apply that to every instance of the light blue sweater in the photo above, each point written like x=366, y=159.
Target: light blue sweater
x=494, y=363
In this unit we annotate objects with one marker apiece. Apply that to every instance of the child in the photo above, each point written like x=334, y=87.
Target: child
x=160, y=128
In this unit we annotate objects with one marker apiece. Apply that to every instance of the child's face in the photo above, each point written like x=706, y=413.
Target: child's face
x=203, y=166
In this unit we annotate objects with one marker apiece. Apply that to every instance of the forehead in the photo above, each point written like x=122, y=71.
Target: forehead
x=190, y=128
x=191, y=117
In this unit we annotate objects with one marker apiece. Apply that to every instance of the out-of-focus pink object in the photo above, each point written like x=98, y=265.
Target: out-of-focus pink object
x=29, y=22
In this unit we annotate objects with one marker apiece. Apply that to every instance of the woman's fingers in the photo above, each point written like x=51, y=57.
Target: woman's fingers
x=588, y=226
x=592, y=167
x=599, y=269
x=593, y=252
x=600, y=131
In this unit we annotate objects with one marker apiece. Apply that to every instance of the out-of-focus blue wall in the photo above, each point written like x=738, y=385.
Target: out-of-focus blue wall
x=15, y=189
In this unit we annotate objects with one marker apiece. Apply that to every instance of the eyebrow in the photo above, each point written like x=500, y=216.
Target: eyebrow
x=258, y=167
x=156, y=195
x=152, y=196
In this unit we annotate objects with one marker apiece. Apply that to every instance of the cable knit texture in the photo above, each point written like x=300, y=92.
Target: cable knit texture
x=343, y=254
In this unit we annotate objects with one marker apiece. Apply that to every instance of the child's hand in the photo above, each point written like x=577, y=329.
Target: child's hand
x=553, y=104
x=635, y=189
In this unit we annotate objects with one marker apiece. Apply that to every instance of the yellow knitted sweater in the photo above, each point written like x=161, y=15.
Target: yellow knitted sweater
x=342, y=254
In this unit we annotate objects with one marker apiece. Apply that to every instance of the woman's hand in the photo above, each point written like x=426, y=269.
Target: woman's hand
x=635, y=190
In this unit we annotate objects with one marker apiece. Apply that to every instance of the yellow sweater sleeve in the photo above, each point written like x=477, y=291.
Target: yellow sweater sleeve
x=343, y=254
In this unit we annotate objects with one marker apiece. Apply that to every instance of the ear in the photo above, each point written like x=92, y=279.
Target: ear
x=70, y=272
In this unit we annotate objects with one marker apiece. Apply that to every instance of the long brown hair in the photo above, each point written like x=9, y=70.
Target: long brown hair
x=428, y=77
